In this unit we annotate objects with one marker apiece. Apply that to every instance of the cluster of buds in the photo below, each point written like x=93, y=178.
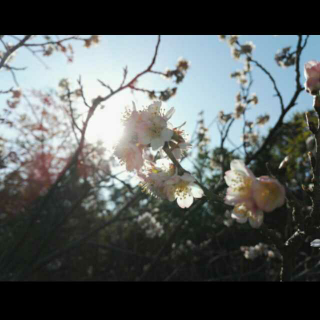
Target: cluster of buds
x=94, y=39
x=150, y=225
x=147, y=129
x=284, y=58
x=245, y=49
x=15, y=99
x=258, y=250
x=237, y=49
x=251, y=196
x=67, y=91
x=180, y=72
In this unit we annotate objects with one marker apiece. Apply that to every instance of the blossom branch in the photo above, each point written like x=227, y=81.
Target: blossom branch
x=272, y=80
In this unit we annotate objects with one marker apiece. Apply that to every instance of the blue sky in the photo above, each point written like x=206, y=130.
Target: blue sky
x=206, y=87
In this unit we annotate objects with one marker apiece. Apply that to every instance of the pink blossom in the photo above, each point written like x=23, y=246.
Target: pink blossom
x=251, y=196
x=269, y=194
x=154, y=175
x=153, y=130
x=153, y=127
x=180, y=149
x=312, y=75
x=130, y=154
x=241, y=182
x=241, y=214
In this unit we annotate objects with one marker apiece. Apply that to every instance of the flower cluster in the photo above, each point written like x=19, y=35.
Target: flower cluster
x=259, y=250
x=251, y=196
x=150, y=225
x=251, y=138
x=241, y=49
x=147, y=129
x=186, y=247
x=161, y=180
x=143, y=129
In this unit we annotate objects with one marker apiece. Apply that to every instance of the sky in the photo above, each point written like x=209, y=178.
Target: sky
x=207, y=86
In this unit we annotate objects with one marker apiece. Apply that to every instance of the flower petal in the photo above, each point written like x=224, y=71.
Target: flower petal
x=196, y=191
x=170, y=113
x=157, y=143
x=166, y=134
x=185, y=202
x=239, y=217
x=238, y=165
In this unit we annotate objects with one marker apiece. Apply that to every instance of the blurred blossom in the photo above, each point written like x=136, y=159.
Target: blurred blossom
x=259, y=250
x=312, y=75
x=248, y=47
x=242, y=79
x=284, y=162
x=183, y=64
x=222, y=37
x=284, y=58
x=315, y=243
x=239, y=110
x=269, y=194
x=235, y=53
x=249, y=124
x=235, y=74
x=224, y=118
x=262, y=120
x=311, y=144
x=150, y=225
x=252, y=138
x=232, y=40
x=254, y=99
x=228, y=221
x=64, y=83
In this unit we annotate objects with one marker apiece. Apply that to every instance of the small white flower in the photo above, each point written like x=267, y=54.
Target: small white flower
x=183, y=189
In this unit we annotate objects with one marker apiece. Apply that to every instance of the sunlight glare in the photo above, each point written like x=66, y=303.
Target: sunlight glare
x=106, y=124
